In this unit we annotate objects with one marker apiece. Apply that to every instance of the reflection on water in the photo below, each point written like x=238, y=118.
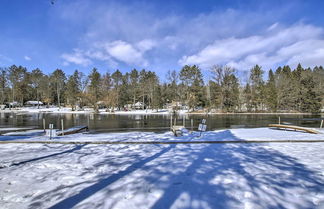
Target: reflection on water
x=106, y=123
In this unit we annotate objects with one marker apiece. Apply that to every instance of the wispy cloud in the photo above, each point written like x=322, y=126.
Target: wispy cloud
x=292, y=45
x=135, y=36
x=77, y=57
x=27, y=58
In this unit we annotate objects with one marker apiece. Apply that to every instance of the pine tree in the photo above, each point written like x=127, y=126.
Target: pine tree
x=311, y=101
x=271, y=93
x=72, y=89
x=94, y=88
x=58, y=81
x=192, y=81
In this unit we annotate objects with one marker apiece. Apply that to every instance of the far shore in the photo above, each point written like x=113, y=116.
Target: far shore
x=64, y=110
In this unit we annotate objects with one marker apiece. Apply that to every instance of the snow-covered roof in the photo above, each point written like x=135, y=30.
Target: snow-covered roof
x=34, y=102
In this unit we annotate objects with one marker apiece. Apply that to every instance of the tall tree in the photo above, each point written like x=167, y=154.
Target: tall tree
x=3, y=85
x=73, y=89
x=36, y=77
x=94, y=88
x=271, y=92
x=257, y=87
x=18, y=80
x=192, y=81
x=117, y=80
x=58, y=79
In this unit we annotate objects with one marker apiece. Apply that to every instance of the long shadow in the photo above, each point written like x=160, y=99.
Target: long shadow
x=89, y=191
x=267, y=175
x=77, y=147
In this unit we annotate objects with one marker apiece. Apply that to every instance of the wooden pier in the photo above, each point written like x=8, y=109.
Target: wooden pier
x=73, y=130
x=296, y=128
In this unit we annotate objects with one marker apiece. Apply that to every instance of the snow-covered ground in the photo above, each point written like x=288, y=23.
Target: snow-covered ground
x=255, y=175
x=65, y=110
x=240, y=134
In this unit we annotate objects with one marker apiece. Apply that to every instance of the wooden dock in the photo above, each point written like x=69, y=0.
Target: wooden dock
x=295, y=128
x=177, y=130
x=73, y=130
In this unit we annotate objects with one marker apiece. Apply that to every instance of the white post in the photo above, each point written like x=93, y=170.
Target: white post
x=171, y=122
x=184, y=121
x=62, y=126
x=44, y=127
x=279, y=120
x=51, y=130
x=191, y=125
x=321, y=124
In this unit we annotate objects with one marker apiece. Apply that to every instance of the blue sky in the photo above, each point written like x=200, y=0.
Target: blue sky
x=160, y=35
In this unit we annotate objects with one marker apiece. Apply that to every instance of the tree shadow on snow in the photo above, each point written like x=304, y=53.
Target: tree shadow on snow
x=209, y=176
x=77, y=147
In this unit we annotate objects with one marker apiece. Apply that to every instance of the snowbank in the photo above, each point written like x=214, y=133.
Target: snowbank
x=242, y=134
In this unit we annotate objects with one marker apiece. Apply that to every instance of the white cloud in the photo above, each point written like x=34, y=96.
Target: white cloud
x=77, y=57
x=27, y=58
x=112, y=52
x=126, y=53
x=134, y=34
x=299, y=43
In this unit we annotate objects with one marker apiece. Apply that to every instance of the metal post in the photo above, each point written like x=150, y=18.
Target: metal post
x=44, y=127
x=191, y=125
x=184, y=121
x=51, y=130
x=171, y=122
x=321, y=124
x=62, y=126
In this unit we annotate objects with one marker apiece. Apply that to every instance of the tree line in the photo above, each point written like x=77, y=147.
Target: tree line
x=285, y=90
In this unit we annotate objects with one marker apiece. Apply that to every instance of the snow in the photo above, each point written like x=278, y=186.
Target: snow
x=254, y=175
x=66, y=110
x=242, y=134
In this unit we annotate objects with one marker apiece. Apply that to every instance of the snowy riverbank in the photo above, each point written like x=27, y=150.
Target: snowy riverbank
x=66, y=110
x=271, y=175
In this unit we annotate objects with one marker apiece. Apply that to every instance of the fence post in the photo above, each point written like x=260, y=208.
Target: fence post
x=44, y=125
x=62, y=126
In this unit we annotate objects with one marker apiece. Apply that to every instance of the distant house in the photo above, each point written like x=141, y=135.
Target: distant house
x=138, y=105
x=13, y=104
x=33, y=103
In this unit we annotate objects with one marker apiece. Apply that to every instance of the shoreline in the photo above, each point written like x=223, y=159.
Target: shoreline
x=148, y=112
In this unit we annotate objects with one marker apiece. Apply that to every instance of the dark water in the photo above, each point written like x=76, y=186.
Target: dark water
x=113, y=123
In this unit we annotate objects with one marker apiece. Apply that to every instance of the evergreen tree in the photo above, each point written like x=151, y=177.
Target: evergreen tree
x=72, y=89
x=311, y=101
x=36, y=77
x=271, y=92
x=94, y=88
x=257, y=88
x=191, y=78
x=58, y=79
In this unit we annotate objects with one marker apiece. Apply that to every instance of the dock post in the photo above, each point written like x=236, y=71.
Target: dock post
x=44, y=125
x=321, y=124
x=279, y=120
x=62, y=126
x=184, y=121
x=175, y=121
x=171, y=122
x=191, y=125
